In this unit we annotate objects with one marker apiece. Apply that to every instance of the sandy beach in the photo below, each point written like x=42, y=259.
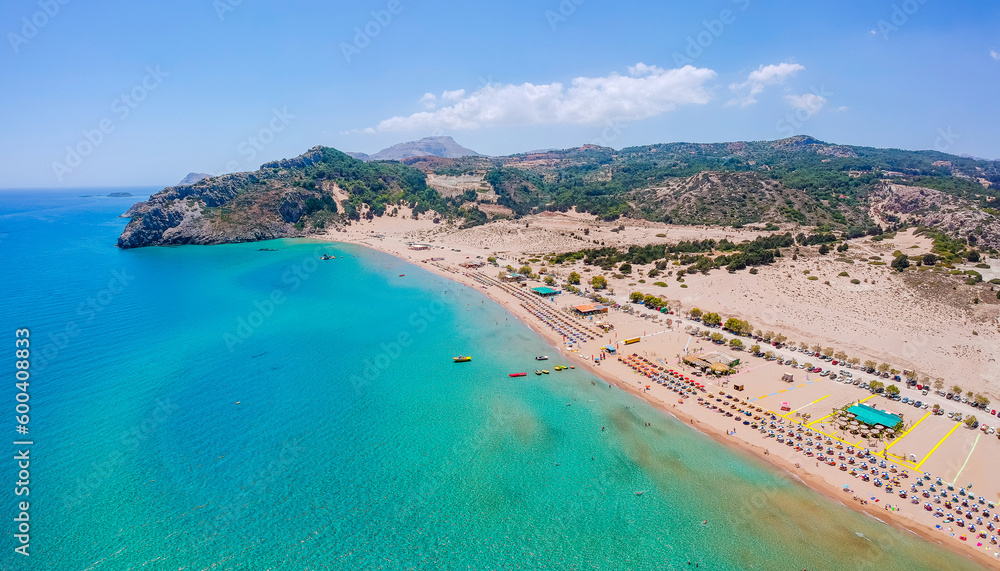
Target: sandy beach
x=886, y=319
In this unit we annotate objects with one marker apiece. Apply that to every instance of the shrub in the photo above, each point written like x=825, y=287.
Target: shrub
x=813, y=278
x=661, y=284
x=855, y=281
x=843, y=275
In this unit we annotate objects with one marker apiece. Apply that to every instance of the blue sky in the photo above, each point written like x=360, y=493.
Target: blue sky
x=111, y=94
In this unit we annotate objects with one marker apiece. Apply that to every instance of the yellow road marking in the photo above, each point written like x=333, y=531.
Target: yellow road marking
x=763, y=397
x=866, y=398
x=940, y=442
x=903, y=435
x=820, y=420
x=955, y=479
x=782, y=391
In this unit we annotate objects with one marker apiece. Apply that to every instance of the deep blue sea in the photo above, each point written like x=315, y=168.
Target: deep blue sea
x=223, y=407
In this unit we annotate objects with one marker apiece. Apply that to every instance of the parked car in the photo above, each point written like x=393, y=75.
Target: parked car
x=924, y=392
x=906, y=400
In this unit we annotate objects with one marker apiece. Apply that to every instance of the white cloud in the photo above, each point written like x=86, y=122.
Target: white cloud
x=429, y=100
x=808, y=102
x=995, y=55
x=759, y=78
x=842, y=108
x=646, y=91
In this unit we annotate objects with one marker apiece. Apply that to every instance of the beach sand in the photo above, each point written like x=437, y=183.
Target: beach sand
x=869, y=322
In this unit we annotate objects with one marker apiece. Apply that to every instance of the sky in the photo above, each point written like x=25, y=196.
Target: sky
x=128, y=94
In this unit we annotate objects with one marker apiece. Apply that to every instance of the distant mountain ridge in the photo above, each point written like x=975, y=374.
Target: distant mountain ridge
x=800, y=180
x=444, y=147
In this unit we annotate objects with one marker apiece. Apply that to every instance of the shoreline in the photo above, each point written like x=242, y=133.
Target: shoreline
x=791, y=470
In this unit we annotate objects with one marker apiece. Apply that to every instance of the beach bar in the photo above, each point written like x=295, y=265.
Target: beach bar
x=872, y=416
x=545, y=291
x=590, y=309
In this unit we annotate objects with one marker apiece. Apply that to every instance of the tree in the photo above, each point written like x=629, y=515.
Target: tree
x=716, y=336
x=733, y=324
x=711, y=319
x=804, y=344
x=793, y=361
x=900, y=263
x=636, y=297
x=824, y=249
x=779, y=338
x=758, y=333
x=828, y=351
x=598, y=282
x=525, y=270
x=840, y=356
x=973, y=256
x=574, y=278
x=970, y=395
x=938, y=384
x=816, y=348
x=755, y=349
x=876, y=385
x=971, y=421
x=869, y=364
x=883, y=368
x=735, y=343
x=843, y=247
x=768, y=335
x=625, y=268
x=695, y=314
x=956, y=390
x=769, y=354
x=492, y=260
x=930, y=259
x=892, y=390
x=549, y=280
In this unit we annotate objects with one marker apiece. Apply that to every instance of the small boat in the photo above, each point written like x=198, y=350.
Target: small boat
x=537, y=372
x=542, y=358
x=327, y=257
x=518, y=375
x=560, y=367
x=572, y=367
x=402, y=275
x=462, y=358
x=545, y=371
x=267, y=249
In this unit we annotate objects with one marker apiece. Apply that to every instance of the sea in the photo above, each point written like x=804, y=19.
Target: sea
x=250, y=406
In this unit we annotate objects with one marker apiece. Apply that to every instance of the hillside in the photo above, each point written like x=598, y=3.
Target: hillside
x=795, y=181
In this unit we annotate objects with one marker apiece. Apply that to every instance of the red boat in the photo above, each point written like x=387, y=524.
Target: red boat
x=519, y=374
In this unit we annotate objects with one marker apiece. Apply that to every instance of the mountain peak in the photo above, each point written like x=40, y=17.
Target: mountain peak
x=443, y=146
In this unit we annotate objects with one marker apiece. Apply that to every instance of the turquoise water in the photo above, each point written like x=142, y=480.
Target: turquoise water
x=356, y=443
